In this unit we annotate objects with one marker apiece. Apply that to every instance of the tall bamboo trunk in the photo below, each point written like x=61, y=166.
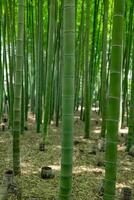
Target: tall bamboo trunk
x=87, y=108
x=67, y=99
x=50, y=55
x=1, y=69
x=131, y=109
x=104, y=68
x=114, y=97
x=17, y=90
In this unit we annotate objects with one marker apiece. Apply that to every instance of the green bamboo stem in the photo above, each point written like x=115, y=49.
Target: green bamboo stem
x=49, y=68
x=92, y=59
x=22, y=107
x=130, y=142
x=127, y=64
x=33, y=62
x=114, y=97
x=39, y=64
x=104, y=68
x=11, y=36
x=26, y=62
x=57, y=84
x=67, y=98
x=5, y=53
x=1, y=68
x=79, y=54
x=17, y=90
x=87, y=125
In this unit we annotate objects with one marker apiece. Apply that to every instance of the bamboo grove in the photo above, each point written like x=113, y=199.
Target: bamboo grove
x=62, y=58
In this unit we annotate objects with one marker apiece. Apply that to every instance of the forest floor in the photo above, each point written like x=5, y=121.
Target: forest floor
x=87, y=176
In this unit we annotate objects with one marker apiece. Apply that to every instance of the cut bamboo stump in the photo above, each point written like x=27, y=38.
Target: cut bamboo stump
x=2, y=126
x=47, y=173
x=126, y=193
x=76, y=142
x=7, y=181
x=42, y=147
x=5, y=119
x=101, y=188
x=100, y=160
x=131, y=151
x=8, y=177
x=9, y=187
x=102, y=145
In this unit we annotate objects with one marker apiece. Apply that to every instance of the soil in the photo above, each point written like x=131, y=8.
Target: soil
x=87, y=176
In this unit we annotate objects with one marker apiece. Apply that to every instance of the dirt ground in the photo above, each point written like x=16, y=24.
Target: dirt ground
x=87, y=176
